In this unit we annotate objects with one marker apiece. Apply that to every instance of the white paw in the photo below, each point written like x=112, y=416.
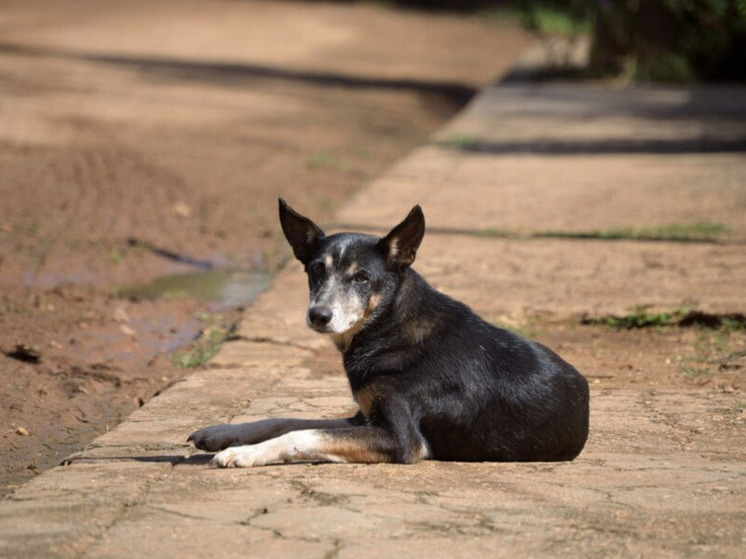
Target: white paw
x=239, y=457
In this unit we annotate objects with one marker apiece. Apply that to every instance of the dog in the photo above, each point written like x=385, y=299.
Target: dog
x=431, y=379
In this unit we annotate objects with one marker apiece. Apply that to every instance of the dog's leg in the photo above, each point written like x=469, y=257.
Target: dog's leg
x=367, y=444
x=394, y=437
x=218, y=437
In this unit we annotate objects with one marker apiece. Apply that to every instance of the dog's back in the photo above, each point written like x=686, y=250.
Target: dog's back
x=479, y=392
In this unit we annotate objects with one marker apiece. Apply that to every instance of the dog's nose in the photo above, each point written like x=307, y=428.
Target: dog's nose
x=319, y=316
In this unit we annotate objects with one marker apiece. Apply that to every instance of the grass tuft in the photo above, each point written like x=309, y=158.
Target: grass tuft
x=205, y=347
x=677, y=232
x=462, y=141
x=639, y=317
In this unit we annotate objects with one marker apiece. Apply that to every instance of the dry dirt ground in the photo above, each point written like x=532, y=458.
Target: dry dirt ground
x=146, y=138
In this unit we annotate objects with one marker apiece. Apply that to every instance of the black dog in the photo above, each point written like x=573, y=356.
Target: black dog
x=431, y=378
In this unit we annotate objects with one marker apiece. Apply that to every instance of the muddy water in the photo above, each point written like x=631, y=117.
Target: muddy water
x=222, y=288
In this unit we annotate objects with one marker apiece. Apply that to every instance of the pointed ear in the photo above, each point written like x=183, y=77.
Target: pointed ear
x=302, y=233
x=401, y=244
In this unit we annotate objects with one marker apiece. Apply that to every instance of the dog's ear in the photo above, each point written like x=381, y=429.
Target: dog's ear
x=401, y=244
x=302, y=233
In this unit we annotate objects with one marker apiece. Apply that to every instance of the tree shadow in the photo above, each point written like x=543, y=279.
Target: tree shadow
x=454, y=93
x=702, y=119
x=612, y=146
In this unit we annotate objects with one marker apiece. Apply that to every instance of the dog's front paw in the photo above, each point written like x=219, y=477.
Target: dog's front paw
x=216, y=437
x=239, y=457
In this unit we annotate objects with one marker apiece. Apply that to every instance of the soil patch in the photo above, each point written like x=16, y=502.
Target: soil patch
x=142, y=139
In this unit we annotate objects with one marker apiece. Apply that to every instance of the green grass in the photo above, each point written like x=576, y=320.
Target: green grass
x=728, y=324
x=320, y=160
x=324, y=160
x=202, y=350
x=462, y=141
x=695, y=372
x=702, y=231
x=205, y=346
x=641, y=317
x=711, y=351
x=699, y=232
x=495, y=233
x=115, y=255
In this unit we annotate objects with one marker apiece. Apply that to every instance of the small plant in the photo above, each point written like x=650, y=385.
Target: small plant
x=641, y=317
x=695, y=372
x=115, y=255
x=732, y=324
x=713, y=348
x=711, y=351
x=320, y=160
x=462, y=141
x=203, y=316
x=202, y=350
x=205, y=347
x=710, y=345
x=676, y=232
x=325, y=160
x=700, y=231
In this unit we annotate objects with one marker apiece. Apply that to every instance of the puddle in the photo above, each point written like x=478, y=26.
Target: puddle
x=222, y=288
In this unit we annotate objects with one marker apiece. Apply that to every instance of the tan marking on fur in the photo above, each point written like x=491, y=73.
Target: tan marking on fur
x=417, y=330
x=350, y=449
x=373, y=302
x=353, y=451
x=364, y=399
x=328, y=261
x=352, y=269
x=343, y=340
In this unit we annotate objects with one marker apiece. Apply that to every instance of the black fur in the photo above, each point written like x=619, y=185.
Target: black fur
x=426, y=371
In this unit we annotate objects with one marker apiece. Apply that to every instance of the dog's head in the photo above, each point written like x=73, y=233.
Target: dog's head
x=352, y=277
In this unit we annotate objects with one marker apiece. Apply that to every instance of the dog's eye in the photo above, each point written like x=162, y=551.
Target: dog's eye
x=316, y=270
x=361, y=277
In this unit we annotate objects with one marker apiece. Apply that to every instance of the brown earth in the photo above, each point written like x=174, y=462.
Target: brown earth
x=130, y=131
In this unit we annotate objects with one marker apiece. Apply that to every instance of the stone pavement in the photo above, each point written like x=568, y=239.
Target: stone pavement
x=654, y=479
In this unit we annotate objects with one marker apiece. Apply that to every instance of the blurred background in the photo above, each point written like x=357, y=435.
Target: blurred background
x=656, y=40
